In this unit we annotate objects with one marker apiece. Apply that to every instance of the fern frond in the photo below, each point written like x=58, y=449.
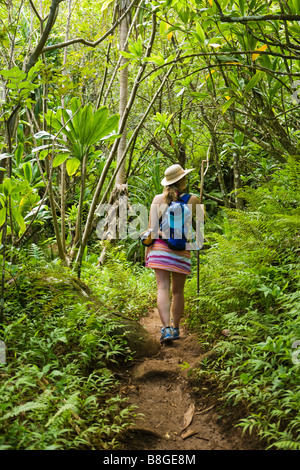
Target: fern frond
x=36, y=253
x=70, y=405
x=29, y=406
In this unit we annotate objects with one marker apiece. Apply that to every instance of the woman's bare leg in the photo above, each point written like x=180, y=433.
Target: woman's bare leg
x=163, y=295
x=178, y=281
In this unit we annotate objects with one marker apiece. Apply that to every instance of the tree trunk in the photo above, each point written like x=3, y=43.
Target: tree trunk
x=219, y=171
x=237, y=180
x=63, y=166
x=89, y=222
x=123, y=97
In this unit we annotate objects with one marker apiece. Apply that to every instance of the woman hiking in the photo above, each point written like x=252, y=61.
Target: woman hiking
x=171, y=266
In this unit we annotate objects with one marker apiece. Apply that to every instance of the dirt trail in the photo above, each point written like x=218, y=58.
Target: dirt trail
x=173, y=416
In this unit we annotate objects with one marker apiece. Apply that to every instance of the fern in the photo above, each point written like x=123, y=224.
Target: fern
x=71, y=406
x=29, y=406
x=36, y=253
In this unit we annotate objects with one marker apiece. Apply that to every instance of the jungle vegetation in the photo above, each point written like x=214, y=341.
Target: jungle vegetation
x=97, y=99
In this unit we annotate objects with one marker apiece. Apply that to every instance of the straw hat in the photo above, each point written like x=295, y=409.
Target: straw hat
x=174, y=173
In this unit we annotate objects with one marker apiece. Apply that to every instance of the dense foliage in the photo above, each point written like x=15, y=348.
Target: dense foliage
x=249, y=282
x=58, y=388
x=94, y=106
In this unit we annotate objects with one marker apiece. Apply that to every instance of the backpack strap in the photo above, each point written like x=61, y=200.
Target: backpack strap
x=185, y=198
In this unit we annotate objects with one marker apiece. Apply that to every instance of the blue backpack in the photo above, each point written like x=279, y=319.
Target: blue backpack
x=175, y=223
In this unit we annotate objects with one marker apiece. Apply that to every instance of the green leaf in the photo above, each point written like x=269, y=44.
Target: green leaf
x=19, y=187
x=19, y=153
x=127, y=55
x=43, y=135
x=98, y=125
x=238, y=137
x=184, y=14
x=296, y=7
x=15, y=72
x=233, y=78
x=111, y=137
x=7, y=186
x=3, y=156
x=72, y=165
x=2, y=216
x=157, y=59
x=136, y=47
x=18, y=218
x=227, y=105
x=59, y=159
x=27, y=169
x=253, y=82
x=110, y=126
x=86, y=124
x=246, y=378
x=75, y=105
x=242, y=7
x=200, y=33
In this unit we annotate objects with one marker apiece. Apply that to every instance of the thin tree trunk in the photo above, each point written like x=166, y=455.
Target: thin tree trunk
x=63, y=166
x=219, y=169
x=237, y=180
x=94, y=203
x=123, y=97
x=107, y=63
x=215, y=153
x=53, y=213
x=113, y=76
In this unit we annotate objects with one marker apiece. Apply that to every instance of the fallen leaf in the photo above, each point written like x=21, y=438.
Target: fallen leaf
x=204, y=411
x=188, y=433
x=188, y=416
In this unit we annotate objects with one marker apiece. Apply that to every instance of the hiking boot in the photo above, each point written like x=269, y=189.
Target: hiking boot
x=175, y=333
x=166, y=334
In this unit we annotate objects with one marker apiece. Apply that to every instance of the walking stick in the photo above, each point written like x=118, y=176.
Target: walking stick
x=203, y=173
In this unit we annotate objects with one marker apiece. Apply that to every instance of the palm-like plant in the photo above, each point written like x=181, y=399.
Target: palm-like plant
x=82, y=128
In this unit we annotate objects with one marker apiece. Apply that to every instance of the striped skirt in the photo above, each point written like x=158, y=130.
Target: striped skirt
x=161, y=256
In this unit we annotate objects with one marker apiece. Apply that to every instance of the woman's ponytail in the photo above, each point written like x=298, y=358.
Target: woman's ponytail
x=171, y=193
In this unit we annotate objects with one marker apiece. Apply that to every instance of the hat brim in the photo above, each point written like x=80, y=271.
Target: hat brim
x=166, y=182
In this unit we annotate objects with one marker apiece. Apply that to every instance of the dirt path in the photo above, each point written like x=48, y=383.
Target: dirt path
x=172, y=416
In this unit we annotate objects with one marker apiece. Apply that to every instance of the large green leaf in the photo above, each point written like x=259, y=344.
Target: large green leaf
x=72, y=165
x=69, y=130
x=59, y=159
x=110, y=125
x=75, y=105
x=295, y=6
x=2, y=216
x=18, y=218
x=7, y=186
x=86, y=122
x=242, y=7
x=53, y=122
x=98, y=125
x=227, y=105
x=27, y=169
x=254, y=81
x=83, y=128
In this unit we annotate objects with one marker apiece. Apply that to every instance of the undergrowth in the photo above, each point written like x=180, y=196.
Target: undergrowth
x=57, y=388
x=249, y=287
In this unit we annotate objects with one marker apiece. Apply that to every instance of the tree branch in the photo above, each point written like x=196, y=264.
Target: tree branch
x=247, y=19
x=42, y=20
x=39, y=48
x=84, y=41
